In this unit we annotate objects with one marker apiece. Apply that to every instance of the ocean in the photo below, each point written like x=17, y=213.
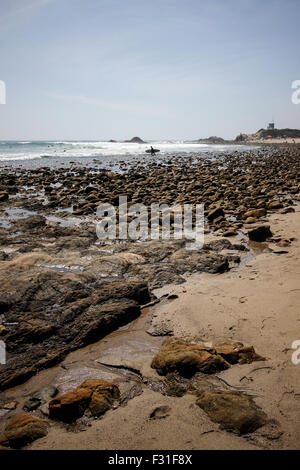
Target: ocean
x=109, y=155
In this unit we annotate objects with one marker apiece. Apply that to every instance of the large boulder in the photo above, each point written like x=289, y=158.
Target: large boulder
x=187, y=358
x=234, y=411
x=70, y=406
x=22, y=430
x=94, y=395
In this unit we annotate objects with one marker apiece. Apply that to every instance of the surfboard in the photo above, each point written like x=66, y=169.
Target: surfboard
x=155, y=151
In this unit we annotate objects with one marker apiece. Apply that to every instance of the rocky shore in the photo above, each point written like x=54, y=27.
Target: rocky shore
x=64, y=293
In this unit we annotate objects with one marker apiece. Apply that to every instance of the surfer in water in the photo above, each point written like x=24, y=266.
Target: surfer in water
x=152, y=150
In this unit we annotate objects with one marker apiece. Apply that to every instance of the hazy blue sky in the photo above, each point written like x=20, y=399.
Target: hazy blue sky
x=93, y=69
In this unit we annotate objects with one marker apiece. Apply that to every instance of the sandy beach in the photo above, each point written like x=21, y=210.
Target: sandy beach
x=92, y=369
x=256, y=304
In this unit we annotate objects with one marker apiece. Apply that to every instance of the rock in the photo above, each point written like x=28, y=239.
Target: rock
x=223, y=244
x=287, y=210
x=250, y=220
x=3, y=330
x=102, y=387
x=284, y=243
x=37, y=342
x=230, y=233
x=259, y=233
x=3, y=196
x=218, y=245
x=31, y=223
x=237, y=353
x=40, y=397
x=3, y=256
x=215, y=213
x=99, y=404
x=70, y=406
x=255, y=213
x=31, y=404
x=9, y=405
x=186, y=358
x=129, y=389
x=160, y=329
x=160, y=412
x=234, y=411
x=94, y=395
x=275, y=205
x=22, y=430
x=31, y=331
x=136, y=140
x=45, y=393
x=271, y=431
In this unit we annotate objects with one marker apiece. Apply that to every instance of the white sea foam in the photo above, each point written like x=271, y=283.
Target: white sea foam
x=29, y=150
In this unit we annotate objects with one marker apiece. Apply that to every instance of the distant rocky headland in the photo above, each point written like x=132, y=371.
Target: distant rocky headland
x=262, y=134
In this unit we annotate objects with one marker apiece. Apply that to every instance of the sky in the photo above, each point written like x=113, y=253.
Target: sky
x=159, y=69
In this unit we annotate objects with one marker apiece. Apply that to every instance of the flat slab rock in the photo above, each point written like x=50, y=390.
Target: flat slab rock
x=73, y=316
x=234, y=411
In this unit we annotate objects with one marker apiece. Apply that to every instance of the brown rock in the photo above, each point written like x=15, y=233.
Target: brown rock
x=22, y=430
x=215, y=213
x=256, y=213
x=275, y=205
x=160, y=412
x=237, y=353
x=287, y=210
x=93, y=394
x=99, y=404
x=3, y=330
x=234, y=411
x=9, y=405
x=186, y=358
x=70, y=406
x=103, y=394
x=101, y=387
x=259, y=233
x=250, y=220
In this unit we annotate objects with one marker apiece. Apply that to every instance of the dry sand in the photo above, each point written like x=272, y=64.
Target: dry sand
x=257, y=304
